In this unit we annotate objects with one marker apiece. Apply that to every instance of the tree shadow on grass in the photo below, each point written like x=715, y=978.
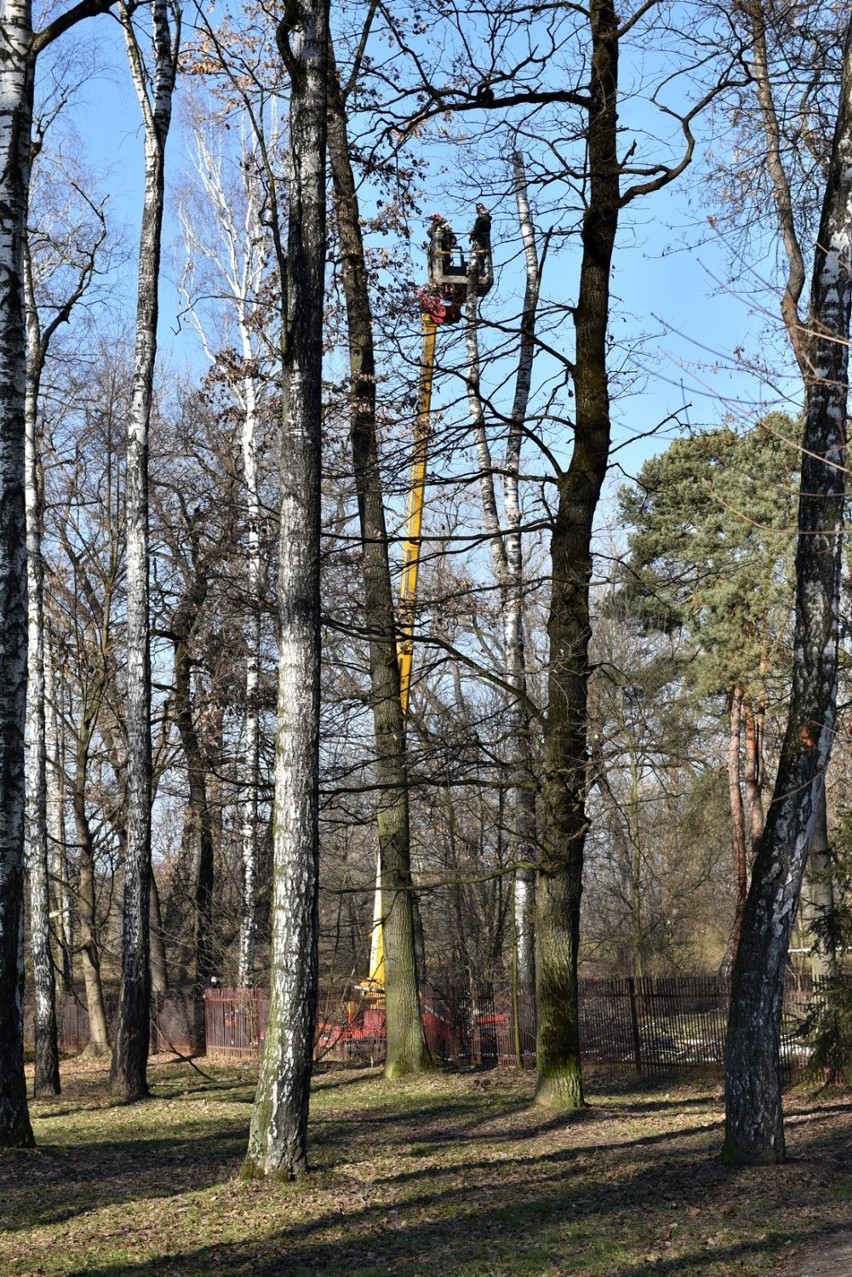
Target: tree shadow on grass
x=571, y=1210
x=52, y=1184
x=566, y=1211
x=560, y=1227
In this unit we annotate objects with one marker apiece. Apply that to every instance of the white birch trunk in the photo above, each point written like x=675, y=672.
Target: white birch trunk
x=16, y=96
x=278, y=1134
x=131, y=1044
x=251, y=769
x=55, y=801
x=47, y=1049
x=818, y=895
x=19, y=46
x=507, y=561
x=237, y=253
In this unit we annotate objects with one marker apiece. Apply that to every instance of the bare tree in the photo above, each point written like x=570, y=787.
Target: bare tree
x=19, y=49
x=507, y=559
x=39, y=337
x=278, y=1135
x=754, y=1130
x=406, y=1045
x=237, y=258
x=605, y=181
x=154, y=89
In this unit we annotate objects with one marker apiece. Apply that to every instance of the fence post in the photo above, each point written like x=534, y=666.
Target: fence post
x=634, y=1024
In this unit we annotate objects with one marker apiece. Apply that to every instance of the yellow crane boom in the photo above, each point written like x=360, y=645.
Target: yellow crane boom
x=441, y=303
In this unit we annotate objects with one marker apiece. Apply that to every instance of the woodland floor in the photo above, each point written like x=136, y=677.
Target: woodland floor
x=455, y=1174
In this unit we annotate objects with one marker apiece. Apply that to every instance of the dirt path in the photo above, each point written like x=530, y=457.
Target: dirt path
x=830, y=1258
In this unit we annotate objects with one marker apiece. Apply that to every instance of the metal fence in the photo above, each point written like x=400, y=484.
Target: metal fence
x=648, y=1026
x=235, y=1022
x=177, y=1022
x=661, y=1026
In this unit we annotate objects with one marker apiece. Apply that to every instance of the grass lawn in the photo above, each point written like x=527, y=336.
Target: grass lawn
x=453, y=1175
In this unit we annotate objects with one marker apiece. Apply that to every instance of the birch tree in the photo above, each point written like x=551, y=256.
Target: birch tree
x=20, y=46
x=47, y=1048
x=154, y=86
x=55, y=817
x=238, y=260
x=278, y=1134
x=81, y=261
x=754, y=1129
x=85, y=587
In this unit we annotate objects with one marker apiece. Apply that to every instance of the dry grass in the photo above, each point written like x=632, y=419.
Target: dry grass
x=453, y=1174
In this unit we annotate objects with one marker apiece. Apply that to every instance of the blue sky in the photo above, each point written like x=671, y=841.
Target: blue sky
x=670, y=294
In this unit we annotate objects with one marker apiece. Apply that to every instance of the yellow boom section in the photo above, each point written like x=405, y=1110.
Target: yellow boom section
x=408, y=596
x=414, y=518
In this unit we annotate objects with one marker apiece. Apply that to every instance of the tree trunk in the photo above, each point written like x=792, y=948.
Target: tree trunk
x=560, y=872
x=47, y=1046
x=251, y=769
x=197, y=828
x=818, y=897
x=754, y=769
x=738, y=833
x=16, y=97
x=754, y=1131
x=56, y=822
x=154, y=91
x=159, y=969
x=278, y=1134
x=521, y=747
x=19, y=47
x=507, y=561
x=89, y=953
x=406, y=1045
x=38, y=344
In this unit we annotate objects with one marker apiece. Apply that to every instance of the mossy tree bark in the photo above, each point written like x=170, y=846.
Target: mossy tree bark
x=560, y=874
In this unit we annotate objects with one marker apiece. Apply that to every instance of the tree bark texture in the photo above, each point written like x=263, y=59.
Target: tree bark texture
x=524, y=791
x=406, y=1044
x=46, y=1081
x=159, y=969
x=738, y=827
x=754, y=1131
x=197, y=825
x=564, y=787
x=251, y=769
x=278, y=1134
x=87, y=899
x=130, y=1054
x=17, y=68
x=818, y=893
x=56, y=822
x=19, y=47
